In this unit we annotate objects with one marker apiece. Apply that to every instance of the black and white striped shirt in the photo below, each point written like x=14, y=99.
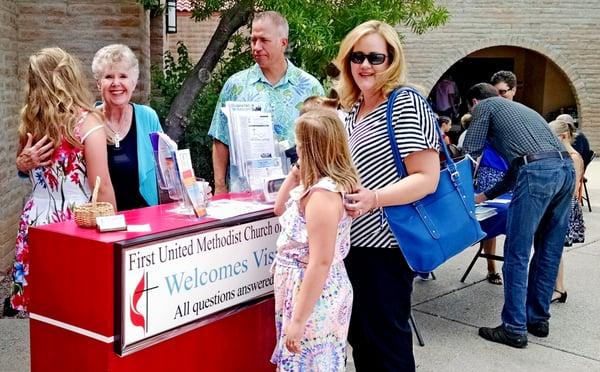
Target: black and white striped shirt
x=414, y=126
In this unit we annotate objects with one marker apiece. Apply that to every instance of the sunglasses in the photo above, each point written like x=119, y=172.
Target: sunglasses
x=503, y=91
x=373, y=58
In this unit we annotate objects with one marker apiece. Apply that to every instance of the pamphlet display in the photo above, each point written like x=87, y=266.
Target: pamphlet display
x=252, y=146
x=176, y=175
x=256, y=151
x=166, y=170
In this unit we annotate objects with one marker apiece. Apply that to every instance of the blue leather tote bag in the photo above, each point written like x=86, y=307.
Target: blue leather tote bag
x=441, y=225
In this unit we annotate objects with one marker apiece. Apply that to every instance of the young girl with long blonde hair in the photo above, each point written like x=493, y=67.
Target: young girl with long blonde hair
x=58, y=107
x=313, y=295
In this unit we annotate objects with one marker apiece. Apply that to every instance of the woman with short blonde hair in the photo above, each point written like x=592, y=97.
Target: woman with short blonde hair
x=372, y=65
x=128, y=126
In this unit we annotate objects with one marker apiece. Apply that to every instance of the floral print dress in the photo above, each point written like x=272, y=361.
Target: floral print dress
x=57, y=189
x=576, y=226
x=323, y=347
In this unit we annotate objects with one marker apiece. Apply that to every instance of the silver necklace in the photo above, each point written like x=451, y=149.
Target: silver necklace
x=116, y=137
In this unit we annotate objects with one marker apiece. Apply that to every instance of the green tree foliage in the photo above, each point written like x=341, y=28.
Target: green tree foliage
x=318, y=26
x=183, y=96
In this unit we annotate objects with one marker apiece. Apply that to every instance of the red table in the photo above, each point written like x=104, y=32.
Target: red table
x=73, y=309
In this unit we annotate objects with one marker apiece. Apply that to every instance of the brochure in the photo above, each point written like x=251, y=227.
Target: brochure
x=191, y=190
x=232, y=111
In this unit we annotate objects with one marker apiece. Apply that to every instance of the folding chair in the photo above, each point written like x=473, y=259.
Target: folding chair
x=413, y=324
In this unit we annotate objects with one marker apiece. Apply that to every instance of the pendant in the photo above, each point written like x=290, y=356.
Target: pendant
x=117, y=140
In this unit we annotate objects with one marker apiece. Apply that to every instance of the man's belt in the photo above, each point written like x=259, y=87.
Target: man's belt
x=540, y=156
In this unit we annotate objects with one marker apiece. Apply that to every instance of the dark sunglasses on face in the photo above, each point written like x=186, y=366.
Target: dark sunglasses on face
x=504, y=91
x=373, y=58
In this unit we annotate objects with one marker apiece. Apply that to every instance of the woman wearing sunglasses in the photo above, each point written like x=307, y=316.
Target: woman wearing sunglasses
x=372, y=65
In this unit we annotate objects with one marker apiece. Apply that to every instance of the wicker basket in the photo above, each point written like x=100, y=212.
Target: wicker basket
x=85, y=214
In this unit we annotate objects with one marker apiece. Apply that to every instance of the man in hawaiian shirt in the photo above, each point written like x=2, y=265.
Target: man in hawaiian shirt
x=273, y=81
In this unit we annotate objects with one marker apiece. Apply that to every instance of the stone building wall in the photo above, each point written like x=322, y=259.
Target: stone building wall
x=195, y=35
x=82, y=27
x=566, y=32
x=11, y=190
x=157, y=40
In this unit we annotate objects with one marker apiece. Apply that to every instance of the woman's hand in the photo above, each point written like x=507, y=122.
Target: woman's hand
x=360, y=202
x=480, y=198
x=38, y=155
x=293, y=334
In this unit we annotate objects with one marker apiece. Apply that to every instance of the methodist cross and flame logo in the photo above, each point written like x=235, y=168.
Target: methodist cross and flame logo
x=137, y=318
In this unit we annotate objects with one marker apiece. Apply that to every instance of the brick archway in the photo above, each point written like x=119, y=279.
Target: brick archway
x=576, y=83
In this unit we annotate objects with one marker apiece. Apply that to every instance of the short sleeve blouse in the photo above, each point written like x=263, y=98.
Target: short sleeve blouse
x=414, y=126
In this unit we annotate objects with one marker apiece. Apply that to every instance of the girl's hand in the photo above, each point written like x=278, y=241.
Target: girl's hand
x=295, y=174
x=360, y=202
x=293, y=334
x=291, y=180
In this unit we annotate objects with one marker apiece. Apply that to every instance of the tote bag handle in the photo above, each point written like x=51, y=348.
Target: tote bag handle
x=400, y=167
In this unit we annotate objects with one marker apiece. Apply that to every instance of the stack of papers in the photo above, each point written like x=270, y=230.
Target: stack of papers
x=483, y=213
x=498, y=201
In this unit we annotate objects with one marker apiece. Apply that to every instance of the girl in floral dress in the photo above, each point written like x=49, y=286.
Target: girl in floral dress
x=313, y=295
x=58, y=111
x=576, y=229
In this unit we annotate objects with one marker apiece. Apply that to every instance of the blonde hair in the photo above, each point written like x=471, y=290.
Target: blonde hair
x=559, y=127
x=55, y=96
x=391, y=78
x=324, y=150
x=112, y=54
x=315, y=102
x=466, y=120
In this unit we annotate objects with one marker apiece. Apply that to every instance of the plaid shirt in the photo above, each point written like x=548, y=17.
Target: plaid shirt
x=514, y=130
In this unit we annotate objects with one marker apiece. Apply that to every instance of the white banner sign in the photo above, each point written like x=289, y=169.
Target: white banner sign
x=168, y=284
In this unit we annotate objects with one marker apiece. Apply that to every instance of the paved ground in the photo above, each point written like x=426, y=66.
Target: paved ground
x=448, y=314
